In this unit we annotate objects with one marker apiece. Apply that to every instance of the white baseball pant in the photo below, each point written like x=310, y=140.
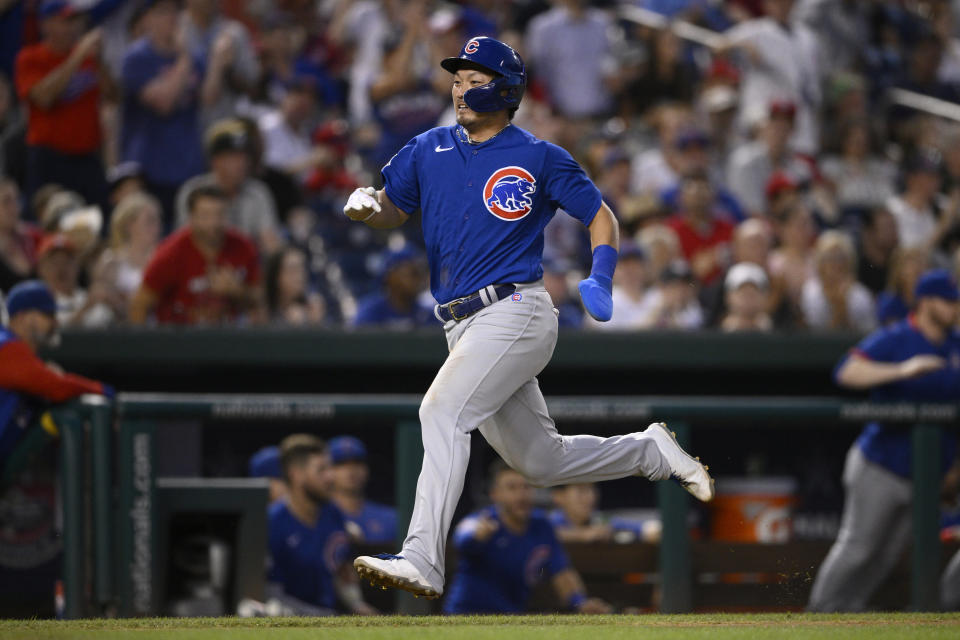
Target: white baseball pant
x=488, y=381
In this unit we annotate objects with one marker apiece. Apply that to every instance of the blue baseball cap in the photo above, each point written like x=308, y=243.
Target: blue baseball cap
x=265, y=463
x=347, y=449
x=51, y=8
x=31, y=295
x=937, y=283
x=396, y=257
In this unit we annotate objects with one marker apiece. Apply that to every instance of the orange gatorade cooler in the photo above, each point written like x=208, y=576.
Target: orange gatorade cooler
x=753, y=509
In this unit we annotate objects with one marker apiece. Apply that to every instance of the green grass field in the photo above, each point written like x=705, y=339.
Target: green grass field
x=902, y=626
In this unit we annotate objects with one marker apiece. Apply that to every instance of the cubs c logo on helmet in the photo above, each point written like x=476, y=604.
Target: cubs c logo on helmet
x=471, y=47
x=508, y=193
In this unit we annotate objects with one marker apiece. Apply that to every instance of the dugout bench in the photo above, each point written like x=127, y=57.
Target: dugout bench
x=120, y=510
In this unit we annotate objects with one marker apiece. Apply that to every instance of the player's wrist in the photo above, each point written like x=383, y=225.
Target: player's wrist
x=604, y=264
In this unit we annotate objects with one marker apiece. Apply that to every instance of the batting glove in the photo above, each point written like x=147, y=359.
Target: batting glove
x=597, y=295
x=362, y=204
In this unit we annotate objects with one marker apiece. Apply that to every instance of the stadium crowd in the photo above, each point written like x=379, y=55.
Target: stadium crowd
x=174, y=162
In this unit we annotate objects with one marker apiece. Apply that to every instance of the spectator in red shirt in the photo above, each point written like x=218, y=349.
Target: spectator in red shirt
x=59, y=79
x=204, y=273
x=26, y=382
x=704, y=238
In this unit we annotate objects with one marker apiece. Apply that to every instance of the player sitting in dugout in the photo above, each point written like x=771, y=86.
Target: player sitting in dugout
x=505, y=550
x=310, y=572
x=27, y=384
x=367, y=521
x=576, y=518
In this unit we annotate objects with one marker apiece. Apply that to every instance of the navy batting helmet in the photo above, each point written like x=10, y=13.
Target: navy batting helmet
x=506, y=89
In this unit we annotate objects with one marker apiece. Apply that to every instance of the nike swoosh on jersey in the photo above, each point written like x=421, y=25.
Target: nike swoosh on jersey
x=438, y=149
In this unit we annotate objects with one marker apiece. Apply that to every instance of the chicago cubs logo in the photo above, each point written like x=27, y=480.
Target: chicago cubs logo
x=508, y=193
x=471, y=47
x=517, y=297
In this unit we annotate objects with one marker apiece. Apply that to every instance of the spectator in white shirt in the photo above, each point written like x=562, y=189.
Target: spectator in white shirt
x=832, y=298
x=286, y=131
x=753, y=163
x=780, y=62
x=919, y=223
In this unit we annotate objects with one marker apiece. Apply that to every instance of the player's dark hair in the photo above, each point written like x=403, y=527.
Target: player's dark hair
x=205, y=191
x=497, y=467
x=296, y=449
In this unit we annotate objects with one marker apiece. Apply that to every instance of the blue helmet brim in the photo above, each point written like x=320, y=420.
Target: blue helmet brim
x=454, y=64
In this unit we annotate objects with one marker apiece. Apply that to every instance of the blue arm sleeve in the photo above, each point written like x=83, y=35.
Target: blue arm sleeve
x=400, y=178
x=568, y=186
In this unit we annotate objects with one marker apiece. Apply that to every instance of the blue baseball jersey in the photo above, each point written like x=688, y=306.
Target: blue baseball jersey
x=377, y=521
x=485, y=205
x=890, y=445
x=496, y=576
x=304, y=559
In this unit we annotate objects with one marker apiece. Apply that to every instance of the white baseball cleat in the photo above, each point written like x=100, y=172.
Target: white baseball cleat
x=386, y=570
x=689, y=471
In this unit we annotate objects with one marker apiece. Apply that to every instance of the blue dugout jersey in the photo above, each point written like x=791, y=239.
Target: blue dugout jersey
x=304, y=559
x=485, y=205
x=496, y=576
x=377, y=521
x=889, y=445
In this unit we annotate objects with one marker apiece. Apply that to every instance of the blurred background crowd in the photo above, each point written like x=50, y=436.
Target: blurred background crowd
x=774, y=164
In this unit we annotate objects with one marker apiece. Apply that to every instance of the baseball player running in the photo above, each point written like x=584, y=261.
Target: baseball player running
x=486, y=190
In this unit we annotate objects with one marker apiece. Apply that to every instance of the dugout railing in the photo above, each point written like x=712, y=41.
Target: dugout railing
x=110, y=534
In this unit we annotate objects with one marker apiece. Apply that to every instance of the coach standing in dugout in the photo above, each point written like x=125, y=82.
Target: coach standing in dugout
x=916, y=360
x=487, y=189
x=26, y=382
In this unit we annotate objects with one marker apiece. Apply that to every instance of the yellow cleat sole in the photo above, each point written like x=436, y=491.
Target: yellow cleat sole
x=384, y=581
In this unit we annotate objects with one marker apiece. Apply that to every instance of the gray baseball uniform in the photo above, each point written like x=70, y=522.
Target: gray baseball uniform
x=489, y=382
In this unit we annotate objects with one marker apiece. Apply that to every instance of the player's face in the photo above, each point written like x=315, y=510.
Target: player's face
x=944, y=312
x=350, y=476
x=463, y=81
x=316, y=478
x=578, y=502
x=407, y=278
x=41, y=327
x=513, y=495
